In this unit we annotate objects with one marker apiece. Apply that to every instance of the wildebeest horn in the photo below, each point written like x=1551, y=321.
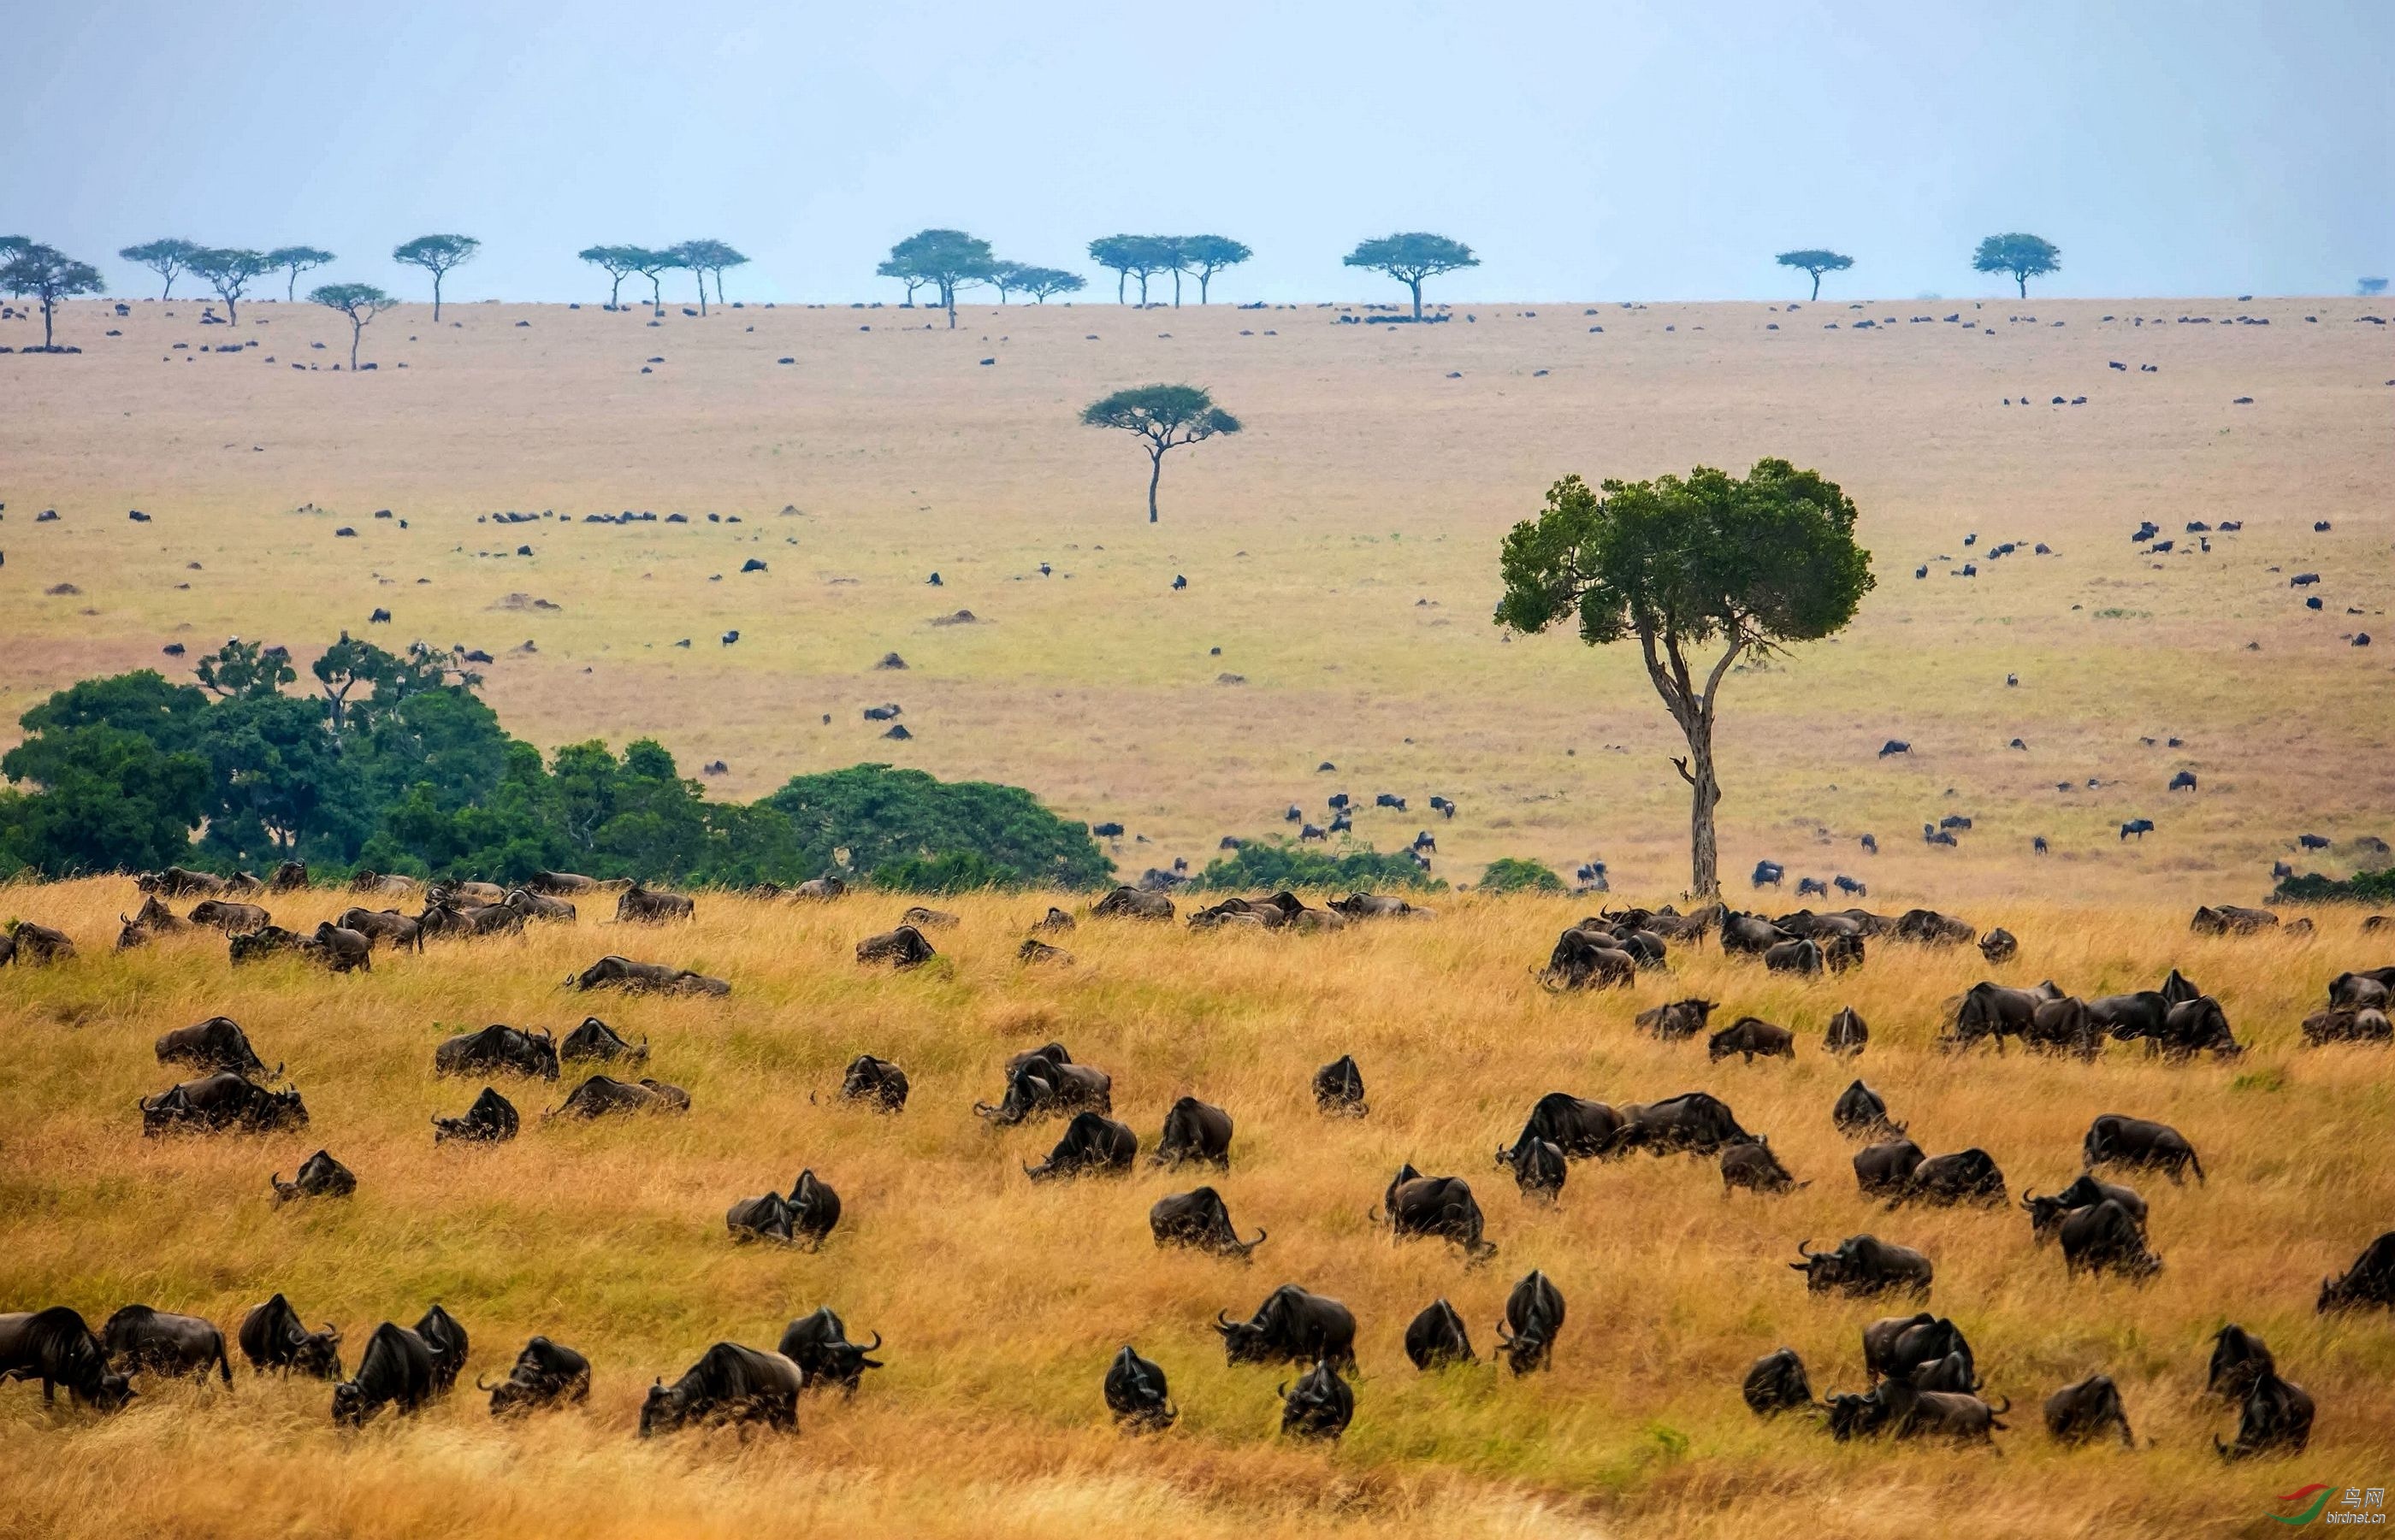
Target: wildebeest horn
x=1221, y=1321
x=2024, y=1194
x=1373, y=1214
x=1028, y=1172
x=332, y=1331
x=480, y=1386
x=983, y=1108
x=1250, y=1245
x=874, y=1345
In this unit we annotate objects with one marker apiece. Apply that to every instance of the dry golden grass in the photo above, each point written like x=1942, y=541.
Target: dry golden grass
x=1001, y=1302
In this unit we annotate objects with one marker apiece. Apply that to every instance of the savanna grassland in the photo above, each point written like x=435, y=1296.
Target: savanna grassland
x=1000, y=1302
x=1340, y=553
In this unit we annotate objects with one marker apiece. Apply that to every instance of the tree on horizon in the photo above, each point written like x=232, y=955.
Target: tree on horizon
x=1140, y=257
x=297, y=260
x=230, y=270
x=437, y=254
x=2021, y=255
x=943, y=260
x=1166, y=417
x=360, y=302
x=1411, y=256
x=618, y=263
x=1204, y=255
x=1817, y=262
x=167, y=258
x=49, y=275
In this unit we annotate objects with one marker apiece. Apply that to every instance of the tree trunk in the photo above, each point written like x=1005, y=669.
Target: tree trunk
x=1817, y=285
x=46, y=345
x=291, y=286
x=719, y=285
x=2023, y=280
x=701, y=289
x=1143, y=291
x=1415, y=284
x=168, y=292
x=1155, y=474
x=436, y=296
x=1704, y=794
x=356, y=328
x=948, y=301
x=1203, y=280
x=232, y=311
x=1176, y=288
x=1122, y=276
x=615, y=292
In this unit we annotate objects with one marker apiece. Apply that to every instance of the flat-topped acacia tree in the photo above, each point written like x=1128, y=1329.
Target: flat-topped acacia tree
x=2020, y=257
x=1411, y=256
x=1165, y=415
x=230, y=270
x=360, y=303
x=1750, y=564
x=436, y=255
x=1817, y=262
x=166, y=259
x=295, y=260
x=48, y=275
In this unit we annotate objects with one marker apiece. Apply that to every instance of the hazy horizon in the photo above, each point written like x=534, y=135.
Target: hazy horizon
x=1594, y=153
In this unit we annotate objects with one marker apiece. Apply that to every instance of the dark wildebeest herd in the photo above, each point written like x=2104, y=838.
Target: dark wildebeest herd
x=1924, y=1381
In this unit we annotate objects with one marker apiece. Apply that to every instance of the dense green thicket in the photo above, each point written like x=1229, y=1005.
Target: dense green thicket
x=2361, y=888
x=1282, y=865
x=1512, y=875
x=396, y=765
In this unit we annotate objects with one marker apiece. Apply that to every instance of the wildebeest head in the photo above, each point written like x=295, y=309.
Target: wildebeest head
x=818, y=1344
x=1534, y=1312
x=1136, y=1393
x=1853, y=1416
x=2239, y=1359
x=1777, y=1383
x=1319, y=1406
x=666, y=1407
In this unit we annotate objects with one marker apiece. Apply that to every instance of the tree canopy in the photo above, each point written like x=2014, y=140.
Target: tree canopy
x=1411, y=256
x=704, y=257
x=946, y=259
x=436, y=255
x=360, y=302
x=1166, y=417
x=1040, y=284
x=1204, y=255
x=295, y=260
x=2021, y=255
x=167, y=258
x=49, y=275
x=653, y=263
x=1817, y=262
x=230, y=270
x=1140, y=257
x=618, y=263
x=1752, y=564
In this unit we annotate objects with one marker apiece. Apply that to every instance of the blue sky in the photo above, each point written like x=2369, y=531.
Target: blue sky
x=1586, y=150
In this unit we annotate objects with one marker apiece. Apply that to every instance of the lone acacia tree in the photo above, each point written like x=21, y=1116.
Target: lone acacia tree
x=295, y=260
x=1680, y=564
x=436, y=255
x=1817, y=262
x=230, y=270
x=360, y=303
x=1411, y=258
x=1165, y=415
x=618, y=263
x=167, y=258
x=2022, y=256
x=1204, y=255
x=946, y=259
x=49, y=275
x=653, y=263
x=1041, y=283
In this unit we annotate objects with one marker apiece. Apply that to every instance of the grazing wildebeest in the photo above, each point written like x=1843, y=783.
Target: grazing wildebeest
x=2276, y=1417
x=1861, y=1112
x=2239, y=1359
x=559, y=885
x=1373, y=906
x=622, y=973
x=448, y=1340
x=2359, y=991
x=729, y=1382
x=2368, y=1284
x=543, y=1374
x=2231, y=919
x=1694, y=1122
x=396, y=1370
x=820, y=888
x=1318, y=1406
x=1954, y=1373
x=216, y=1044
x=538, y=907
x=1093, y=1145
x=2062, y=1026
x=905, y=947
x=1769, y=873
x=1436, y=1338
x=1965, y=1177
x=55, y=1347
x=601, y=1095
x=1998, y=946
x=2103, y=1238
x=1750, y=935
x=2192, y=1027
x=153, y=919
x=1588, y=959
x=1534, y=1313
x=1863, y=1265
x=140, y=1340
x=595, y=1039
x=383, y=885
x=1802, y=955
x=643, y=906
x=387, y=926
x=1128, y=902
x=1290, y=1326
x=1754, y=1167
x=468, y=894
x=875, y=1080
x=2140, y=827
x=1538, y=1164
x=2130, y=1017
x=320, y=1176
x=1749, y=1035
x=1806, y=887
x=1777, y=1383
x=1894, y=1347
x=765, y=1217
x=272, y=1338
x=814, y=1209
x=1848, y=1032
x=1193, y=1131
x=1039, y=1086
x=342, y=950
x=2178, y=986
x=2347, y=1026
x=2045, y=1214
x=1055, y=919
x=2116, y=1141
x=1198, y=1219
x=1338, y=1088
x=1578, y=1127
x=1916, y=1414
x=291, y=876
x=177, y=882
x=1676, y=1019
x=1444, y=1206
x=219, y=1101
x=2086, y=1409
x=1928, y=928
x=1885, y=1169
x=1853, y=1416
x=818, y=1344
x=497, y=1049
x=234, y=919
x=1991, y=1010
x=1034, y=949
x=491, y=1120
x=1137, y=1395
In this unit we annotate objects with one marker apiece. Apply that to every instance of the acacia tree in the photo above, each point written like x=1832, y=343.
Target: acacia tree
x=2022, y=256
x=720, y=257
x=360, y=303
x=49, y=275
x=1816, y=262
x=1204, y=255
x=619, y=262
x=1752, y=564
x=297, y=260
x=1165, y=415
x=1411, y=256
x=1040, y=282
x=653, y=264
x=1140, y=257
x=244, y=670
x=436, y=255
x=945, y=259
x=230, y=270
x=167, y=258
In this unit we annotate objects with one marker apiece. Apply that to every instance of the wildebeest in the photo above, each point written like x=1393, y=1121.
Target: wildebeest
x=153, y=919
x=342, y=950
x=2192, y=1027
x=1538, y=1164
x=2140, y=827
x=622, y=973
x=2231, y=919
x=875, y=1080
x=1928, y=928
x=141, y=1340
x=543, y=1374
x=1290, y=1325
x=1991, y=1010
x=1093, y=1145
x=450, y=915
x=2133, y=1141
x=558, y=885
x=823, y=887
x=1754, y=1167
x=1128, y=902
x=272, y=1338
x=234, y=919
x=1693, y=1122
x=1442, y=1206
x=55, y=1347
x=2276, y=1417
x=466, y=893
x=1338, y=1088
x=1137, y=1395
x=1998, y=946
x=178, y=882
x=1965, y=1177
x=1749, y=1035
x=1802, y=955
x=1319, y=1406
x=729, y=1382
x=2062, y=1026
x=538, y=907
x=219, y=1101
x=1055, y=919
x=905, y=947
x=818, y=1344
x=1534, y=1313
x=1046, y=1082
x=491, y=1120
x=1885, y=1169
x=385, y=885
x=2346, y=1025
x=1897, y=1346
x=2045, y=1214
x=387, y=926
x=396, y=1370
x=497, y=1049
x=1371, y=906
x=2362, y=991
x=1863, y=1265
x=1193, y=1131
x=2368, y=1284
x=449, y=1343
x=33, y=945
x=1675, y=1020
x=216, y=1044
x=1769, y=873
x=1034, y=949
x=2103, y=1238
x=2086, y=1409
x=1777, y=1383
x=2239, y=1361
x=1861, y=1112
x=1954, y=1373
x=814, y=1208
x=1198, y=1219
x=602, y=1096
x=643, y=906
x=1846, y=1033
x=1916, y=1414
x=1436, y=1338
x=320, y=1176
x=595, y=1039
x=1587, y=959
x=1575, y=1125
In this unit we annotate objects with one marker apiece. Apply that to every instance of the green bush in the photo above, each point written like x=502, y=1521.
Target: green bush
x=1269, y=868
x=2361, y=888
x=1510, y=875
x=935, y=837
